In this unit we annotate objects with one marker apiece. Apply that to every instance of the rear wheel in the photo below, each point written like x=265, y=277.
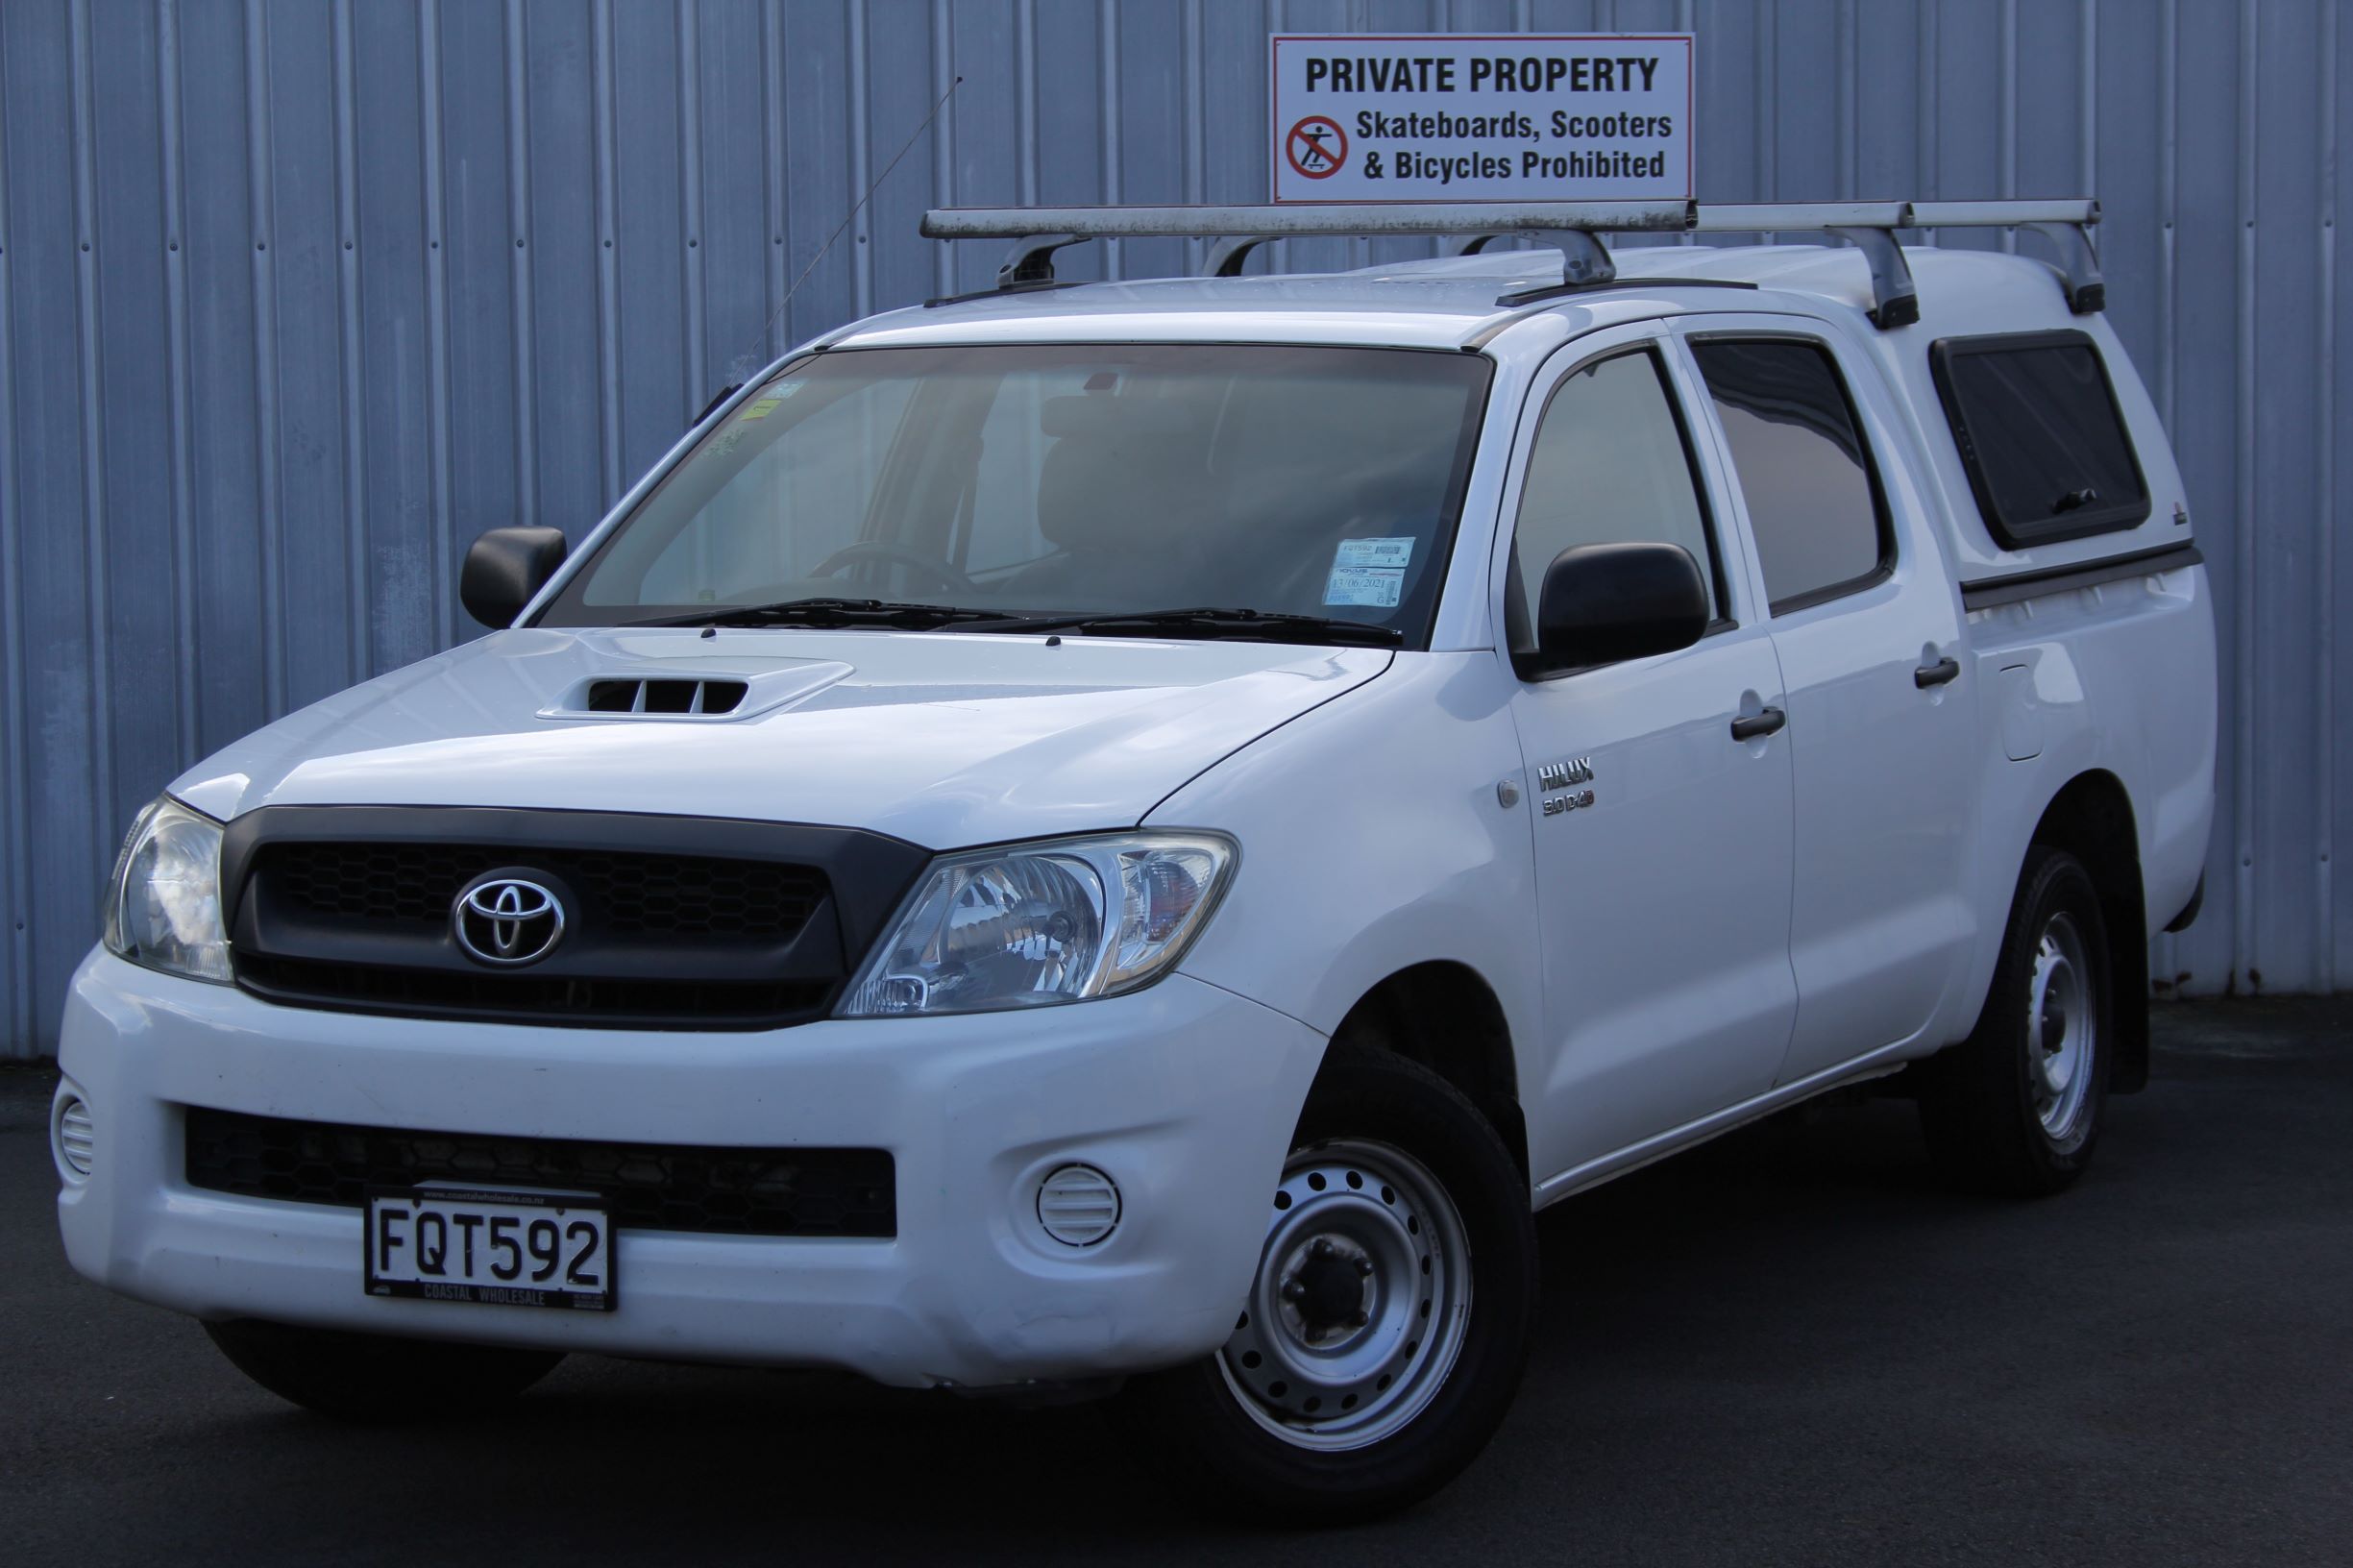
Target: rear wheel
x=1384, y=1330
x=2015, y=1109
x=370, y=1377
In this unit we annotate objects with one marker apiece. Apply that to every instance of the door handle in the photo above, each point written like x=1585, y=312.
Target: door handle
x=1937, y=674
x=1749, y=727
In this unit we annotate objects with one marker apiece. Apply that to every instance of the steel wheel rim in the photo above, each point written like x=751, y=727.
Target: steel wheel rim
x=2062, y=1027
x=1359, y=1230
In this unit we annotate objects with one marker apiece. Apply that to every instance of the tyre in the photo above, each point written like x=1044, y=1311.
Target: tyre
x=370, y=1377
x=2015, y=1109
x=1387, y=1325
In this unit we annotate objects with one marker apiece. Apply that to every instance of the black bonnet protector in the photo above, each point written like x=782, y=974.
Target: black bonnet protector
x=692, y=922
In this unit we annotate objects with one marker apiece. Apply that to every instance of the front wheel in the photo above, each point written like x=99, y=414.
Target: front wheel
x=1384, y=1330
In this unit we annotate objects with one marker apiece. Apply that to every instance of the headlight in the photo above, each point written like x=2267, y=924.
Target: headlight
x=1056, y=922
x=164, y=908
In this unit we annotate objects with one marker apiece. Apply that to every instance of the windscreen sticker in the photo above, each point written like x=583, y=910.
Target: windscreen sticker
x=1377, y=586
x=764, y=404
x=1388, y=553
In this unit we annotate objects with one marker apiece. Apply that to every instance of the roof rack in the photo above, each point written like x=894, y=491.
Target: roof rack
x=1468, y=227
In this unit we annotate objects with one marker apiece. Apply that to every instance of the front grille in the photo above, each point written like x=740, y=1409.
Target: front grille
x=588, y=1000
x=628, y=894
x=727, y=1192
x=668, y=922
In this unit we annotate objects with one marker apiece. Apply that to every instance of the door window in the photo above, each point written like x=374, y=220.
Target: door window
x=1610, y=466
x=1814, y=504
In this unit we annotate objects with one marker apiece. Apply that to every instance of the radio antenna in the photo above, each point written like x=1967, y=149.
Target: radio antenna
x=851, y=217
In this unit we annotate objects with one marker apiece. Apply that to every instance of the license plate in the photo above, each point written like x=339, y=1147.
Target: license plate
x=490, y=1246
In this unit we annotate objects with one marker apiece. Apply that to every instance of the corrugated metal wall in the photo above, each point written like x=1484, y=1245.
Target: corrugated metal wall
x=296, y=296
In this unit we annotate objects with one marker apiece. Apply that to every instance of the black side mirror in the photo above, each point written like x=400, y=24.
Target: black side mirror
x=1606, y=603
x=504, y=568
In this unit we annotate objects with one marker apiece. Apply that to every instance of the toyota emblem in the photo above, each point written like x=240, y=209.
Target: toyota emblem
x=507, y=921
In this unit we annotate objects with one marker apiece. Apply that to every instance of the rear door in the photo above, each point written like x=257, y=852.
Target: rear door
x=1663, y=843
x=1868, y=628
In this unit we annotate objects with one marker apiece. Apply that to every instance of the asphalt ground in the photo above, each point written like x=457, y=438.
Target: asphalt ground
x=1791, y=1347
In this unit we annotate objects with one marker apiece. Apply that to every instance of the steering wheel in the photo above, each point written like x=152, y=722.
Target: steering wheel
x=939, y=573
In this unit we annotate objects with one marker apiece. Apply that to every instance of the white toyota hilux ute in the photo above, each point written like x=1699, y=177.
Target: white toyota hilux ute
x=1125, y=838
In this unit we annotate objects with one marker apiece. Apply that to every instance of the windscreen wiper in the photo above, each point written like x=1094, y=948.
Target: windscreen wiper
x=830, y=612
x=1213, y=621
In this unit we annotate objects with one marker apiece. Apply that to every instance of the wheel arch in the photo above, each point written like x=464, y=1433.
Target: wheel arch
x=2092, y=818
x=1443, y=1015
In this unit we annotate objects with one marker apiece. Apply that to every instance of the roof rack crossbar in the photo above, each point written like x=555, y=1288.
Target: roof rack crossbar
x=1349, y=219
x=1870, y=227
x=2067, y=224
x=1236, y=231
x=2003, y=214
x=1467, y=228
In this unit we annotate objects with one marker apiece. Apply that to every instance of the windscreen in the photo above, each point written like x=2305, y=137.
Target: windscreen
x=1114, y=478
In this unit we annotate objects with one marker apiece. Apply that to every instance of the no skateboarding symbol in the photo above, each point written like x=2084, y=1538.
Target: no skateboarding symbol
x=1317, y=148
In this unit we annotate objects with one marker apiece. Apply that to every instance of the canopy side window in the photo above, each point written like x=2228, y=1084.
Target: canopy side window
x=2041, y=436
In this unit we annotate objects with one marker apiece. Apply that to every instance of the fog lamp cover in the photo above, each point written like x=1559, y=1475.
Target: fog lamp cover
x=1078, y=1205
x=74, y=1136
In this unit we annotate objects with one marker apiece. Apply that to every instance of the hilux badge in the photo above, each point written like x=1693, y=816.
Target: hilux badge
x=1560, y=776
x=507, y=921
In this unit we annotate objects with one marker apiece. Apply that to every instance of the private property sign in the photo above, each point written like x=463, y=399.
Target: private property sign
x=1460, y=117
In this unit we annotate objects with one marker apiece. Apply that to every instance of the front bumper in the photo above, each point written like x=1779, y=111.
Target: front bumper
x=1186, y=1093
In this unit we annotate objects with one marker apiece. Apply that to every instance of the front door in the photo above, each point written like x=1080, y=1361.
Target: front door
x=1663, y=843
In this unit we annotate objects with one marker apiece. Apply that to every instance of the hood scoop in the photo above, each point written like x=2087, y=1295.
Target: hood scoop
x=659, y=694
x=699, y=697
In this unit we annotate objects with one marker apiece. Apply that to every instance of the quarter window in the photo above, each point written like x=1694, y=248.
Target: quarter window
x=1609, y=467
x=2040, y=436
x=1814, y=502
